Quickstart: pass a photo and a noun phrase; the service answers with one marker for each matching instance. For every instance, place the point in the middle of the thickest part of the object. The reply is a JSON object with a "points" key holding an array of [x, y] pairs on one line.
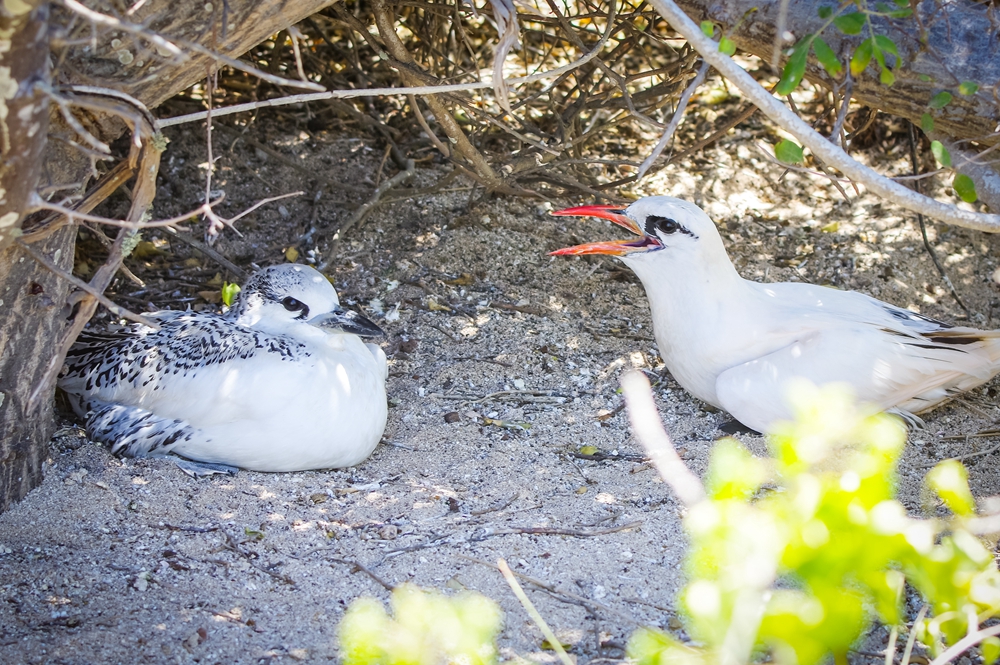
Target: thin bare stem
{"points": [[967, 642], [911, 639], [117, 310], [362, 212], [81, 131], [96, 91], [74, 215], [216, 225], [656, 442], [295, 36], [890, 648], [442, 148], [132, 28], [675, 121], [380, 92], [923, 226], [270, 199], [522, 597], [838, 125]]}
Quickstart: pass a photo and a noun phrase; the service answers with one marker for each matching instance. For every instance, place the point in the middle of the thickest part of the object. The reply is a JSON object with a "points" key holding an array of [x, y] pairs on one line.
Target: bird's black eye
{"points": [[293, 305], [664, 225]]}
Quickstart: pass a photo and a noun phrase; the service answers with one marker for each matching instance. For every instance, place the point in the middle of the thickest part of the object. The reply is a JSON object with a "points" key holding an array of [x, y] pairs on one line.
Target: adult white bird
{"points": [[281, 382], [737, 344]]}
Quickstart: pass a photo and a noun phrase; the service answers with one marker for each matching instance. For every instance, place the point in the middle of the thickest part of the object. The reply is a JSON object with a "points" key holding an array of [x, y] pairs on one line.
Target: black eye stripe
{"points": [[293, 305], [655, 224], [665, 225]]}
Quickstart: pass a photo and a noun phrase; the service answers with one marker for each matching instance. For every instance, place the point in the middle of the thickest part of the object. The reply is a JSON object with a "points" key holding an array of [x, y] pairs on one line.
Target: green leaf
{"points": [[426, 627], [879, 56], [965, 188], [927, 123], [886, 44], [827, 57], [862, 56], [727, 46], [941, 154], [887, 77], [825, 12], [733, 472], [940, 100], [950, 481], [851, 24], [990, 649], [708, 28], [229, 292], [795, 68], [788, 152], [924, 78], [968, 88], [648, 646]]}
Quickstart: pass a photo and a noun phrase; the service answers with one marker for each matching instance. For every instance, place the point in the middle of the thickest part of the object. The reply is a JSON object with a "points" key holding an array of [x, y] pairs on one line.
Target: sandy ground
{"points": [[504, 362]]}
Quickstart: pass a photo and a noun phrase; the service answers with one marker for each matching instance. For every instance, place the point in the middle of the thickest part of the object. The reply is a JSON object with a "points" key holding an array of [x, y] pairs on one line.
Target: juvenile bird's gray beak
{"points": [[346, 321]]}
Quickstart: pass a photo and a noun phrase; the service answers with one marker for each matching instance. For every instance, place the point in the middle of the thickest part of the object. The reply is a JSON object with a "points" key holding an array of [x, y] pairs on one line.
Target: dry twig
{"points": [[117, 310], [361, 213], [533, 613]]}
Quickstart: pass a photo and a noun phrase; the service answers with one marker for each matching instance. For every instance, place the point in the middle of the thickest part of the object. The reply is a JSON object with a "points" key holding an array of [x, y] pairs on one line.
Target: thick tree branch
{"points": [[940, 46], [816, 142]]}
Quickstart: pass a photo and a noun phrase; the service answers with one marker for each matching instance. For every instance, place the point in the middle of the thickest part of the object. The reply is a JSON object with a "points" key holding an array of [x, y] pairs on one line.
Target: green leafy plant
{"points": [[789, 152], [965, 188], [853, 18], [427, 628], [798, 567], [726, 45], [229, 292]]}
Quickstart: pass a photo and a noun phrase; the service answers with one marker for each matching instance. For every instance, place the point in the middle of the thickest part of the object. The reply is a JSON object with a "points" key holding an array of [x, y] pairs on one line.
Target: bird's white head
{"points": [[674, 237], [661, 222], [279, 297]]}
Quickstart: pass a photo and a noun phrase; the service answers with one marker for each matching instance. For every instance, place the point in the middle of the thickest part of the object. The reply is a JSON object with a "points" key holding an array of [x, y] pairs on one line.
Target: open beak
{"points": [[613, 247], [346, 321]]}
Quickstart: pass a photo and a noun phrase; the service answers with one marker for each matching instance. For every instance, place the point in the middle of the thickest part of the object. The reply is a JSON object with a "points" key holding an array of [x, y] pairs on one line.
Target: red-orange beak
{"points": [[613, 247]]}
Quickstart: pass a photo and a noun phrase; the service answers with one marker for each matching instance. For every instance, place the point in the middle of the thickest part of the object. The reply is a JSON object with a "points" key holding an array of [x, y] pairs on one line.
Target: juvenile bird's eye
{"points": [[664, 225], [293, 305]]}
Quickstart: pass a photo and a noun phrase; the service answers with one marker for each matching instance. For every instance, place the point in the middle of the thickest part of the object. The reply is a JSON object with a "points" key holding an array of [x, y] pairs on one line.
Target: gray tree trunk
{"points": [[28, 299]]}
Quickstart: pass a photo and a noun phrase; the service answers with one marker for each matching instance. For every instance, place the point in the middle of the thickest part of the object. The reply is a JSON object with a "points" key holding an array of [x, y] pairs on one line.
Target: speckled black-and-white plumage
{"points": [[281, 382]]}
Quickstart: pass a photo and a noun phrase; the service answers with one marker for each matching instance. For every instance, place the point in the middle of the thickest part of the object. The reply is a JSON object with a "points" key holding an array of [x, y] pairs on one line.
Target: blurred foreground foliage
{"points": [[792, 558], [427, 628], [799, 569]]}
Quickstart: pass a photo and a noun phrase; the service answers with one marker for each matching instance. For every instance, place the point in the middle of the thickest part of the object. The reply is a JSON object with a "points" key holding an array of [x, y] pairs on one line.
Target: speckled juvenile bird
{"points": [[281, 382], [736, 344]]}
